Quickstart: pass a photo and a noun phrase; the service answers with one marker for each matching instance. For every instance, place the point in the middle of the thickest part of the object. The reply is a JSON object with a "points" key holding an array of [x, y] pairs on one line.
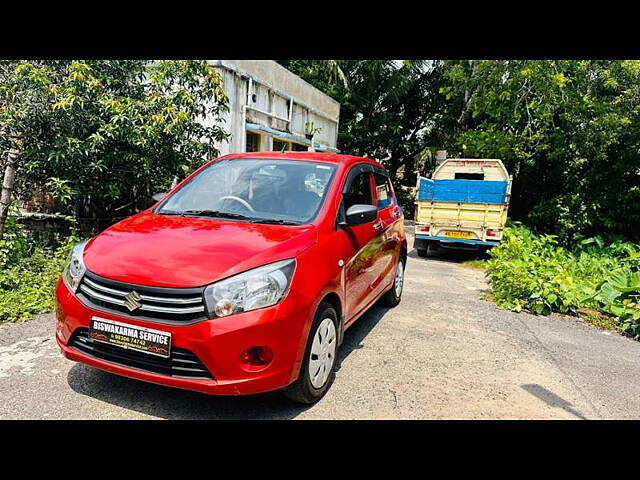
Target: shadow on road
{"points": [[354, 336], [449, 255], [551, 399], [176, 404]]}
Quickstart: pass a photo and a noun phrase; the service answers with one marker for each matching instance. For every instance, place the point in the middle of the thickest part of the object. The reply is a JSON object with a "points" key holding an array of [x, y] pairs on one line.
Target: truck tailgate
{"points": [[461, 215]]}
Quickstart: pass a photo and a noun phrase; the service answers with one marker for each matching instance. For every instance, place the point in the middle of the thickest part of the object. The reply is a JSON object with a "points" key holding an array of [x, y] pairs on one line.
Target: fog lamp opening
{"points": [[257, 356]]}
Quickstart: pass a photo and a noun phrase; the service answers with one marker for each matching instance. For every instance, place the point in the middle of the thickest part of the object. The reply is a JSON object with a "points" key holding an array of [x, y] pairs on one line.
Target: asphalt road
{"points": [[442, 353]]}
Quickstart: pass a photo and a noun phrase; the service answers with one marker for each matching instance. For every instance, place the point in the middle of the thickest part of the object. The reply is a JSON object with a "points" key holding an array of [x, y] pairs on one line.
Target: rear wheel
{"points": [[394, 295], [317, 371], [422, 252]]}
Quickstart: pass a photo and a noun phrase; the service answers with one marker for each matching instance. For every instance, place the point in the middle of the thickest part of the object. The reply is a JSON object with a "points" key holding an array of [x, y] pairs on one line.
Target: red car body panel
{"points": [[163, 249], [172, 251]]}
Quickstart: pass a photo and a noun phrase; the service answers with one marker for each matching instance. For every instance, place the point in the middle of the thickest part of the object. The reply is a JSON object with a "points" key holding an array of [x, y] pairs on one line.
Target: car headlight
{"points": [[75, 268], [258, 288]]}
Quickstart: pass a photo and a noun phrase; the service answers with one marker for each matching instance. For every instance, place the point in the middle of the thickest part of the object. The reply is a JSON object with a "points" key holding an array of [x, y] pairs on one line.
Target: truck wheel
{"points": [[394, 294], [317, 371], [422, 252]]}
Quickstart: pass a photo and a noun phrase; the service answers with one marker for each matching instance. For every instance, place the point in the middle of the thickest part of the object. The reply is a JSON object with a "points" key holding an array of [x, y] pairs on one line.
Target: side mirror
{"points": [[361, 214], [159, 196]]}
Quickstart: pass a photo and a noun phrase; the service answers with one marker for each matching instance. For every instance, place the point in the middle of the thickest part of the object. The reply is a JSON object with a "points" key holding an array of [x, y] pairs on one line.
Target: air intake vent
{"points": [[182, 363]]}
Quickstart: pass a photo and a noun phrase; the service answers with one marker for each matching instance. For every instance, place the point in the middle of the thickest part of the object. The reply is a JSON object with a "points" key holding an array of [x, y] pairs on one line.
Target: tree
{"points": [[386, 106], [567, 130], [105, 135], [21, 110]]}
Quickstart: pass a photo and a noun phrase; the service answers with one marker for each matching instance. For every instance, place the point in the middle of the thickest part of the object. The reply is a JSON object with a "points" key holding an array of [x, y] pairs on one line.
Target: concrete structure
{"points": [[271, 109]]}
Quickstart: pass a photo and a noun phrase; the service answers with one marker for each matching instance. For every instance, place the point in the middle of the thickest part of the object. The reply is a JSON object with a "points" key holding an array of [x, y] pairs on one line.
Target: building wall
{"points": [[273, 87]]}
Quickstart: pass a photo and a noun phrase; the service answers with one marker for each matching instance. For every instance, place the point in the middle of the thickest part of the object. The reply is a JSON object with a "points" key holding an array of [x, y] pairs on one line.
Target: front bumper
{"points": [[218, 344]]}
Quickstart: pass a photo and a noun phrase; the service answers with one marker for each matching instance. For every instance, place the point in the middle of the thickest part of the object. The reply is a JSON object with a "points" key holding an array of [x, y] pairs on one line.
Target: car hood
{"points": [[175, 251]]}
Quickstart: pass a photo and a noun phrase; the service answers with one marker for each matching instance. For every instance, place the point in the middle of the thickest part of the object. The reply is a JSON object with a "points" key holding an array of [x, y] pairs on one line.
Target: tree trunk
{"points": [[463, 120], [7, 187]]}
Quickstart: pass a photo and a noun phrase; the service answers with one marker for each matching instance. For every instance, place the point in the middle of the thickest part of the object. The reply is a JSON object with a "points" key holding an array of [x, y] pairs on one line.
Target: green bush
{"points": [[536, 273], [14, 244], [28, 274]]}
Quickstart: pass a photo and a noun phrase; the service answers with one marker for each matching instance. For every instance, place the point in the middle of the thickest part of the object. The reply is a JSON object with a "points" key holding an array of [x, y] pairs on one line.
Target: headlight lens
{"points": [[257, 288], [75, 268]]}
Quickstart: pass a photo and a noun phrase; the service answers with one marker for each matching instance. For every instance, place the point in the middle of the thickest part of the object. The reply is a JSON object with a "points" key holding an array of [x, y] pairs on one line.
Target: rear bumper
{"points": [[420, 241], [218, 344]]}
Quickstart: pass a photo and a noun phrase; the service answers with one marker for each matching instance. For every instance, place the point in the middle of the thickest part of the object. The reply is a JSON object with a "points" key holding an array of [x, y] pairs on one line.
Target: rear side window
{"points": [[469, 176], [359, 192], [383, 190]]}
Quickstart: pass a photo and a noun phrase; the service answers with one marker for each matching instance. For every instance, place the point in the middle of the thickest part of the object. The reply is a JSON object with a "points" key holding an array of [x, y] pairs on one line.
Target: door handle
{"points": [[379, 225]]}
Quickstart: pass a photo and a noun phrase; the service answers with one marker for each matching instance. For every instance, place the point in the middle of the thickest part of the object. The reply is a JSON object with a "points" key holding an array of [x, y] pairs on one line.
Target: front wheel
{"points": [[393, 296], [317, 371]]}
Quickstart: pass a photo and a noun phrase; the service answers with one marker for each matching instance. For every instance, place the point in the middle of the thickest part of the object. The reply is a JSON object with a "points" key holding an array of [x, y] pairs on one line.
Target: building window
{"points": [[281, 146], [253, 142], [298, 147]]}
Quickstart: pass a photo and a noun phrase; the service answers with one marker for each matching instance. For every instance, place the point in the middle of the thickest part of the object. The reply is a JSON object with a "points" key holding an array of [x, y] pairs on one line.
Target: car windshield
{"points": [[256, 190]]}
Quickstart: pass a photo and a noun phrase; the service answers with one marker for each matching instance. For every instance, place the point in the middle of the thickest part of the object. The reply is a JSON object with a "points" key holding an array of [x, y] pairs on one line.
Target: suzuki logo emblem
{"points": [[132, 301]]}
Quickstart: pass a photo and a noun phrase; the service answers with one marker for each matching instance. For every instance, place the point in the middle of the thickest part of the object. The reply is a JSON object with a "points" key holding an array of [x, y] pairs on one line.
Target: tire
{"points": [[422, 252], [307, 388], [394, 294]]}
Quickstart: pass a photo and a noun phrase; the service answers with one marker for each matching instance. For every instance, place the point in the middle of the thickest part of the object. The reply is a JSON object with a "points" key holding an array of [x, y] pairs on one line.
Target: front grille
{"points": [[182, 363], [173, 305]]}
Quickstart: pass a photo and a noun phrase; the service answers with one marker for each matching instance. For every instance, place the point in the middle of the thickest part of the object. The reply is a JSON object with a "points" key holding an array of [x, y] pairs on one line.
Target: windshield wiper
{"points": [[205, 213], [274, 221], [236, 216], [216, 213], [169, 212]]}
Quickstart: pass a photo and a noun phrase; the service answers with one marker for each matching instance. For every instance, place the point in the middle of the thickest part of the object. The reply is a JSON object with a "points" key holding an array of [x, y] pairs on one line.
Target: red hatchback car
{"points": [[240, 280]]}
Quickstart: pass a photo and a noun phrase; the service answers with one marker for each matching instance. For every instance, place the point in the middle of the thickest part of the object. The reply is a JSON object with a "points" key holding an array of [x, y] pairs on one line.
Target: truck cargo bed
{"points": [[471, 215], [465, 202]]}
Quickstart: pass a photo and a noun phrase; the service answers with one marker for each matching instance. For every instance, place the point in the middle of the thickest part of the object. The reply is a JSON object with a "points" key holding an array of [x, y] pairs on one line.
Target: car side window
{"points": [[384, 193], [359, 192]]}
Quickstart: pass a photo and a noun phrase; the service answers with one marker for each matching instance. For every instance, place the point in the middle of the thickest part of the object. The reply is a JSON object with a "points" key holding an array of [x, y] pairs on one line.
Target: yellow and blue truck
{"points": [[463, 205]]}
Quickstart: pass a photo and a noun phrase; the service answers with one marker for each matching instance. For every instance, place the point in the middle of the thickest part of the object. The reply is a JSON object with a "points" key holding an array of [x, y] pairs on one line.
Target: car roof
{"points": [[312, 156]]}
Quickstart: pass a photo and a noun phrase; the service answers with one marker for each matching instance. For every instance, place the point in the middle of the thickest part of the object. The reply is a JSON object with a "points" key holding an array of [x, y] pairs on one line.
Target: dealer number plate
{"points": [[132, 337]]}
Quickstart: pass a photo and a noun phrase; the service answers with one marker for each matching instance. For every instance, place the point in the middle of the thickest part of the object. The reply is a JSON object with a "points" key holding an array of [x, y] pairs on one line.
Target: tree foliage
{"points": [[567, 130], [103, 136], [385, 107], [598, 274]]}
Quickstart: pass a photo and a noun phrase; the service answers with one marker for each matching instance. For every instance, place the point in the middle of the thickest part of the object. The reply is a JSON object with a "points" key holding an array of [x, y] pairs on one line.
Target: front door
{"points": [[360, 246], [389, 241]]}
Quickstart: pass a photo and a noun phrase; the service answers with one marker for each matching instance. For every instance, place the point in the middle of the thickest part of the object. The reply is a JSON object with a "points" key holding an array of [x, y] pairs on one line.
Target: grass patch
{"points": [[598, 319], [475, 264]]}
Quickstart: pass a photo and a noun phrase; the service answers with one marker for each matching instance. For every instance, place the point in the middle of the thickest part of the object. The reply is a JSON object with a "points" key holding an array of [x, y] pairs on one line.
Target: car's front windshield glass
{"points": [[257, 190]]}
